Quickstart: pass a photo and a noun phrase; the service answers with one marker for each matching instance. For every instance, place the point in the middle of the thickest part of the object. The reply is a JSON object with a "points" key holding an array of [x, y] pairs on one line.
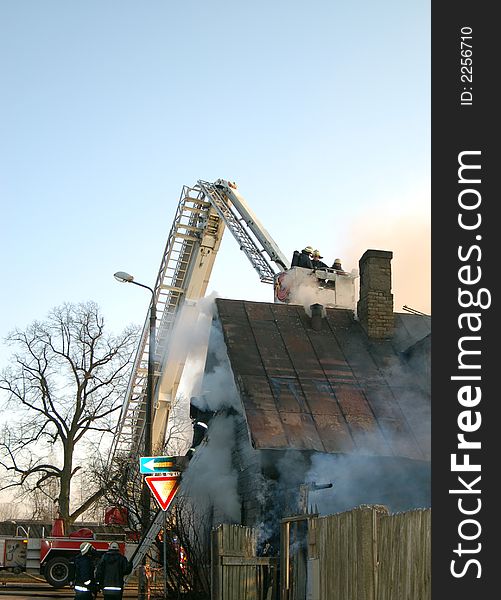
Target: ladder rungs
{"points": [[186, 237]]}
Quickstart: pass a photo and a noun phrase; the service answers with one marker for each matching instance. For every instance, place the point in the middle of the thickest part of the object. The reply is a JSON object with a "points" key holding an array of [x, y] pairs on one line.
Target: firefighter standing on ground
{"points": [[110, 573], [84, 581]]}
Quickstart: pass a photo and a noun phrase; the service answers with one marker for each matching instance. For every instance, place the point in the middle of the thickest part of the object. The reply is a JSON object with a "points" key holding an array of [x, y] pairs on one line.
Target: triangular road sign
{"points": [[163, 487]]}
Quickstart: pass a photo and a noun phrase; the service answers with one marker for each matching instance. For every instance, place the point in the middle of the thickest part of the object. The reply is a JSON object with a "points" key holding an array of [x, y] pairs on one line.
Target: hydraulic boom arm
{"points": [[203, 212]]}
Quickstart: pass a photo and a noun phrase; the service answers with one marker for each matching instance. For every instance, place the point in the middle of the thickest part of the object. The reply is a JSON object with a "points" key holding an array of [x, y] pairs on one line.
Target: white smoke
{"points": [[211, 481], [188, 343], [218, 387], [191, 338]]}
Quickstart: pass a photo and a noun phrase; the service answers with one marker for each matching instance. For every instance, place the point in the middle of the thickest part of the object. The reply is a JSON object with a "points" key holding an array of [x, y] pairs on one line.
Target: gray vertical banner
{"points": [[465, 292]]}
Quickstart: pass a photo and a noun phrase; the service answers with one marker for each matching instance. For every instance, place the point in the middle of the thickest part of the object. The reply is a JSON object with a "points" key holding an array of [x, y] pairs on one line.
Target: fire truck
{"points": [[52, 555]]}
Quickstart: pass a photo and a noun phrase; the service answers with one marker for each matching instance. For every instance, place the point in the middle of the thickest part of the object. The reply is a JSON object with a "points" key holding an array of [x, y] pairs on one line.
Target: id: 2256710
{"points": [[466, 66]]}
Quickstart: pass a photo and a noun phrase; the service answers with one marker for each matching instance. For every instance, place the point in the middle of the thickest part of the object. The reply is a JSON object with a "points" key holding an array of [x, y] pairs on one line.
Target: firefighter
{"points": [[316, 260], [84, 581], [337, 266], [305, 258], [110, 573]]}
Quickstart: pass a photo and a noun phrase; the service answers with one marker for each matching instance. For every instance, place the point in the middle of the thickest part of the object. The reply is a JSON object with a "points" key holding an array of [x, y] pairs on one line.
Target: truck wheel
{"points": [[57, 571]]}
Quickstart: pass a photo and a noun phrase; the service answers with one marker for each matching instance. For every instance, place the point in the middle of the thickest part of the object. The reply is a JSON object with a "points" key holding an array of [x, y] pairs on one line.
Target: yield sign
{"points": [[163, 487]]}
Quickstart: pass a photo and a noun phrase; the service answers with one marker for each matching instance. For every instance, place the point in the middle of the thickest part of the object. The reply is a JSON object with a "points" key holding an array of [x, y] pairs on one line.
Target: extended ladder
{"points": [[195, 224], [190, 252], [148, 540], [239, 219]]}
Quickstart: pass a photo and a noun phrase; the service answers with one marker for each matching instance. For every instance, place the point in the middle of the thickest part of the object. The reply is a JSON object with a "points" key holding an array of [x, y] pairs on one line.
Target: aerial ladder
{"points": [[204, 211]]}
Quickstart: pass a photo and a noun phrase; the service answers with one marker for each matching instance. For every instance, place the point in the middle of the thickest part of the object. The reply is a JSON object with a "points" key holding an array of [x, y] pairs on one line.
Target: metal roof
{"points": [[331, 390]]}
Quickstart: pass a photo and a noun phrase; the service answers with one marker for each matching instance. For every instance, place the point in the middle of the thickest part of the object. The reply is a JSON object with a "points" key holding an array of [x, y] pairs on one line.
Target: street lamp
{"points": [[145, 498]]}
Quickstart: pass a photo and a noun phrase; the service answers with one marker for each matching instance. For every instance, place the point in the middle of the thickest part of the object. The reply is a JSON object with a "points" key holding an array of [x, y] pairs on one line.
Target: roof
{"points": [[332, 390]]}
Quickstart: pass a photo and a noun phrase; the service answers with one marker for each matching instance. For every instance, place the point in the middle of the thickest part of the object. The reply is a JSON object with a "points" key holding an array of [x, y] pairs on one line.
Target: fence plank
{"points": [[366, 554], [404, 551], [237, 573]]}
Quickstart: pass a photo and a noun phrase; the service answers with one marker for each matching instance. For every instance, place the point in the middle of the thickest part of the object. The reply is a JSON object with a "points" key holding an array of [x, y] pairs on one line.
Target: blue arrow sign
{"points": [[157, 464]]}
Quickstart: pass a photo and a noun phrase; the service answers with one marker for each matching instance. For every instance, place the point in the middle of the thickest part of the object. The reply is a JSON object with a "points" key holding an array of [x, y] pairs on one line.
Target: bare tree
{"points": [[41, 501], [64, 386], [9, 511], [187, 552]]}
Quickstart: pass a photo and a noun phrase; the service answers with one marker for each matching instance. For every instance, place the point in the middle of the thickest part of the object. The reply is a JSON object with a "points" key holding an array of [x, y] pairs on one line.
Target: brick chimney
{"points": [[375, 306]]}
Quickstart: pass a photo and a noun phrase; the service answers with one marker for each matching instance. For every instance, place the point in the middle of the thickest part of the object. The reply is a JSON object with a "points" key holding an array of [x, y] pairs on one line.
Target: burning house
{"points": [[314, 406]]}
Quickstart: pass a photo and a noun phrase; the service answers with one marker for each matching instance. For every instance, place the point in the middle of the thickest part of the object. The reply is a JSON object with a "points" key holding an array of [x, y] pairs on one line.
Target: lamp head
{"points": [[123, 277]]}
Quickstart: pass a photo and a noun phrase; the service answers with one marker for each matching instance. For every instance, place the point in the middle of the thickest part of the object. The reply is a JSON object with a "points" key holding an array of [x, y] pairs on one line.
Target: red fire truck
{"points": [[51, 556]]}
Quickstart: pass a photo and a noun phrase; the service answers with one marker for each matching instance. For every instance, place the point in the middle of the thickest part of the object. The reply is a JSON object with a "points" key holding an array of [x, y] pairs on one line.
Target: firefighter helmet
{"points": [[85, 547]]}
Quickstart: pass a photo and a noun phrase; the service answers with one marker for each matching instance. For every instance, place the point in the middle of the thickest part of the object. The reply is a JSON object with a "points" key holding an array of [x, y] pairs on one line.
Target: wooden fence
{"points": [[404, 556], [367, 554], [237, 573], [362, 554]]}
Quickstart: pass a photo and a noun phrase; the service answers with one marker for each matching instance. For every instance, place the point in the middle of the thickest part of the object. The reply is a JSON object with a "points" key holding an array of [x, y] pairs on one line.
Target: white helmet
{"points": [[85, 547]]}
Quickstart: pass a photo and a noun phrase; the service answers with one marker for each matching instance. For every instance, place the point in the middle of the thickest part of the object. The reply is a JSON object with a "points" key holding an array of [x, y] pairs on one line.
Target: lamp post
{"points": [[145, 498]]}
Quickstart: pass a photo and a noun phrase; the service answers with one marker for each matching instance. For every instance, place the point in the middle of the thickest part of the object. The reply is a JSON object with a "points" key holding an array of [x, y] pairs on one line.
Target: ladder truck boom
{"points": [[191, 246], [240, 207], [204, 211]]}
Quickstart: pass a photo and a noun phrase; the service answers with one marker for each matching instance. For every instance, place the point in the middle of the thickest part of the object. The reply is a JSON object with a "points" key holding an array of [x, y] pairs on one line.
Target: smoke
{"points": [[188, 344], [278, 491], [408, 237], [189, 341], [399, 484], [211, 480], [218, 387], [414, 400], [305, 291]]}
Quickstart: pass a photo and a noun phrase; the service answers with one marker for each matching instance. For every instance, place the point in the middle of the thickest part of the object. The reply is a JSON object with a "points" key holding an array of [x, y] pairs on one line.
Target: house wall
{"points": [[247, 462]]}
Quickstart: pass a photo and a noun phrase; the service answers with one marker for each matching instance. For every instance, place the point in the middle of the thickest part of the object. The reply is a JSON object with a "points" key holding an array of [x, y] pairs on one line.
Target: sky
{"points": [[319, 111]]}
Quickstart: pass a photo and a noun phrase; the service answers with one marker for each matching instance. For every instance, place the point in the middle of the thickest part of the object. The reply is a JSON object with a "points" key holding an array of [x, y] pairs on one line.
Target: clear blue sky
{"points": [[320, 111]]}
